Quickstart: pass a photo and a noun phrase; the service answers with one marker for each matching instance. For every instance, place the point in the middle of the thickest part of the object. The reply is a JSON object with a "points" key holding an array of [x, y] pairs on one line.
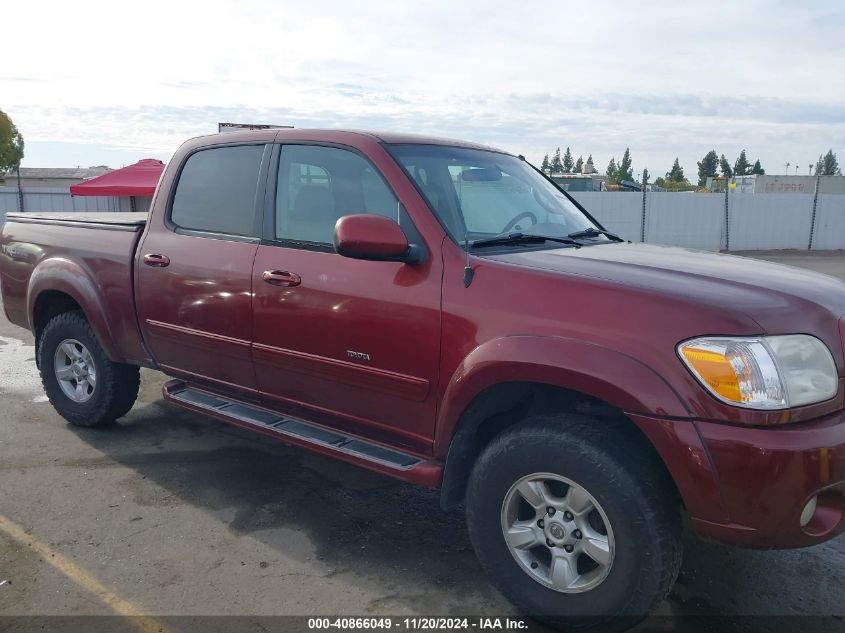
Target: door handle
{"points": [[281, 278], [158, 261]]}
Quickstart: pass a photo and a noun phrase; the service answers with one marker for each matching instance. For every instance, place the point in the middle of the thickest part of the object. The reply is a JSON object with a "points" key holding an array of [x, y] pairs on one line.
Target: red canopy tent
{"points": [[139, 179]]}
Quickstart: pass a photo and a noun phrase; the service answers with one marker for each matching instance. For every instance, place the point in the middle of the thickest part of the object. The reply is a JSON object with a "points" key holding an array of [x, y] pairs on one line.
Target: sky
{"points": [[92, 82]]}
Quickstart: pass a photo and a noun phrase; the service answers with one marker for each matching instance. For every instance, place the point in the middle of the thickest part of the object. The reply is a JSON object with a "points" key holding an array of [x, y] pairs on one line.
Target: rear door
{"points": [[194, 286], [354, 343]]}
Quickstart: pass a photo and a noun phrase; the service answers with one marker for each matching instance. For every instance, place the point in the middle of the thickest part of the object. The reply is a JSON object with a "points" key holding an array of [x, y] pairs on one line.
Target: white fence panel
{"points": [[47, 200], [142, 203], [829, 233], [98, 203], [685, 219], [619, 212], [8, 201], [762, 221], [59, 200], [758, 221]]}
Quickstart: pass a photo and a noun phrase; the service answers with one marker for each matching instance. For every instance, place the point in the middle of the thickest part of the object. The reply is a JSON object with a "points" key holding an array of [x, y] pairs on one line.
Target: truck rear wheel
{"points": [[574, 524], [83, 385]]}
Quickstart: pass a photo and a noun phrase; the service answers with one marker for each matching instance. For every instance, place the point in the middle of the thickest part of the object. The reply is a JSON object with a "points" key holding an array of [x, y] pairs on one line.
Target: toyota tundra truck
{"points": [[440, 312]]}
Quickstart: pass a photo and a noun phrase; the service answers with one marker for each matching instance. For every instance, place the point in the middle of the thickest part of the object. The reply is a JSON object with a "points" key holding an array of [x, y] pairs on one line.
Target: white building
{"points": [[766, 183]]}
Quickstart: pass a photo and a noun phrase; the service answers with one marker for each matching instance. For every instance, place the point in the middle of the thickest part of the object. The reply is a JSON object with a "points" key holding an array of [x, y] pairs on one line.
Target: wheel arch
{"points": [[60, 285], [508, 379]]}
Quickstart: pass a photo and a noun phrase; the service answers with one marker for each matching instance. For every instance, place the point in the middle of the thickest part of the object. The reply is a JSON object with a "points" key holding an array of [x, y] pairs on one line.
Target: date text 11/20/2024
{"points": [[419, 623]]}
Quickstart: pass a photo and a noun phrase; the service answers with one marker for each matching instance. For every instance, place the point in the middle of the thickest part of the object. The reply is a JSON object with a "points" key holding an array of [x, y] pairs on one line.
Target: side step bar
{"points": [[300, 432]]}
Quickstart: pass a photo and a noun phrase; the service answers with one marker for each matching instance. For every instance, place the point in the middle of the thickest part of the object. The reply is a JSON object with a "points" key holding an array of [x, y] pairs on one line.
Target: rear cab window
{"points": [[216, 191]]}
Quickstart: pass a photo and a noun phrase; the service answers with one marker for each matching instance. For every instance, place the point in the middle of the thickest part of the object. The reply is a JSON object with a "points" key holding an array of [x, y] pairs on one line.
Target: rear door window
{"points": [[216, 191], [318, 185]]}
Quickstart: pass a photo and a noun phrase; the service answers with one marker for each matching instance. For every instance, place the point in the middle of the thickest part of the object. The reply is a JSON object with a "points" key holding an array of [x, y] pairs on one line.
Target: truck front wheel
{"points": [[574, 522], [83, 385]]}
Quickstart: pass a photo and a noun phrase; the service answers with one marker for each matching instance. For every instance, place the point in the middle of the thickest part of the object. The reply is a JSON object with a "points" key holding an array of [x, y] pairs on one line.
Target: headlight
{"points": [[766, 372]]}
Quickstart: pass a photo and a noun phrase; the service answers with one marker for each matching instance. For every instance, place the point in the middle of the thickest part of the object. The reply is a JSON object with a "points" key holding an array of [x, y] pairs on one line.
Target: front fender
{"points": [[613, 377], [67, 276]]}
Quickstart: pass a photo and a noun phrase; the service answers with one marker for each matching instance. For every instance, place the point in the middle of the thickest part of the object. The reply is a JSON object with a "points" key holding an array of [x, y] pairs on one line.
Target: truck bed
{"points": [[44, 256]]}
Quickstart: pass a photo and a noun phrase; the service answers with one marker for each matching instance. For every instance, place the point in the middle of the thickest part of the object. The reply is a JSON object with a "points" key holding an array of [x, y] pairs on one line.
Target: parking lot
{"points": [[172, 513]]}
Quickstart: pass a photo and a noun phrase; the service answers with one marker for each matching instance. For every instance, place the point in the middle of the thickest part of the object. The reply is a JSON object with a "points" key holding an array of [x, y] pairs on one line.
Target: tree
{"points": [[725, 167], [827, 165], [758, 168], [742, 167], [11, 144], [672, 185], [545, 165], [556, 165], [676, 174], [589, 167], [624, 171], [645, 176], [568, 163], [579, 165], [611, 171], [707, 167]]}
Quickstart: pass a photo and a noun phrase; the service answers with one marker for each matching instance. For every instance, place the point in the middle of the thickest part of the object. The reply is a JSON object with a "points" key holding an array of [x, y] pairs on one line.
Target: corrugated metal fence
{"points": [[738, 222], [759, 221], [58, 199]]}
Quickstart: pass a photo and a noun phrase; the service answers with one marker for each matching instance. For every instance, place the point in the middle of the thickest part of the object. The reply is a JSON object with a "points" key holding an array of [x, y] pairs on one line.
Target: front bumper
{"points": [[749, 485], [766, 476]]}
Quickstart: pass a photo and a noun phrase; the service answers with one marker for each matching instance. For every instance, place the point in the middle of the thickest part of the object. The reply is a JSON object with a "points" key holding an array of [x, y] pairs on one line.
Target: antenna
{"points": [[469, 273]]}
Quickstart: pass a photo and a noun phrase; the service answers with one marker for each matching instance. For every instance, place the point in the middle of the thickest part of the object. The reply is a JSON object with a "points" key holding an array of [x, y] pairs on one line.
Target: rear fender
{"points": [[64, 275]]}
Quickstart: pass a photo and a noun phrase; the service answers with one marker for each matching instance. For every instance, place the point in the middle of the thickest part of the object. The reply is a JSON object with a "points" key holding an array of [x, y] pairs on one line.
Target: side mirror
{"points": [[373, 237]]}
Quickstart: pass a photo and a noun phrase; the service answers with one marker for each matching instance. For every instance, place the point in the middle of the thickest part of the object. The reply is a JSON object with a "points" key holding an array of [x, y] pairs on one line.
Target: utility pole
{"points": [[727, 216], [642, 224], [20, 190], [815, 208]]}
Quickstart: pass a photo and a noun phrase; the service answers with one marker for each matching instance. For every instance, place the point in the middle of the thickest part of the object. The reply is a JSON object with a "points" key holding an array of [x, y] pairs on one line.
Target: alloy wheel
{"points": [[75, 370], [558, 533]]}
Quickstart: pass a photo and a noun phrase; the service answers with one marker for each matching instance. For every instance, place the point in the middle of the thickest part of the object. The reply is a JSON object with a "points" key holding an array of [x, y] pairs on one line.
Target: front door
{"points": [[352, 343], [194, 274]]}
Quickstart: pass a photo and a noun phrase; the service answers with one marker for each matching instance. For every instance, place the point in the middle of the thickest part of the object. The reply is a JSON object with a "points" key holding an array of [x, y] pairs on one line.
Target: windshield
{"points": [[479, 194]]}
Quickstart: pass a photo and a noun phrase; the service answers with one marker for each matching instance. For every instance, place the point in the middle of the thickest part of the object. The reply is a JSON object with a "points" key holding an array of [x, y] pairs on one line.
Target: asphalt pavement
{"points": [[172, 513]]}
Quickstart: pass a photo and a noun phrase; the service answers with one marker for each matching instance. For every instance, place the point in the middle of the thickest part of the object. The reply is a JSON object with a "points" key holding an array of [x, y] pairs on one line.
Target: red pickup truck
{"points": [[441, 312]]}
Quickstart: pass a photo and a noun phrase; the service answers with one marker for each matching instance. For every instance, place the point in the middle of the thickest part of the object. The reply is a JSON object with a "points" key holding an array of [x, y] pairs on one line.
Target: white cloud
{"points": [[665, 79]]}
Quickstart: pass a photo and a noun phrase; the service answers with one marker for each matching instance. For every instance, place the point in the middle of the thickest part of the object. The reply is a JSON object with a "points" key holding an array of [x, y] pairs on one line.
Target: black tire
{"points": [[117, 384], [634, 491]]}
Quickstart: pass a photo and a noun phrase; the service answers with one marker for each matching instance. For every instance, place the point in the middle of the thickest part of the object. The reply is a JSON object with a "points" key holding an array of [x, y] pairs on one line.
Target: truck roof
{"points": [[339, 134]]}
